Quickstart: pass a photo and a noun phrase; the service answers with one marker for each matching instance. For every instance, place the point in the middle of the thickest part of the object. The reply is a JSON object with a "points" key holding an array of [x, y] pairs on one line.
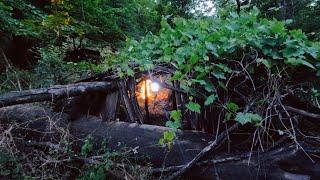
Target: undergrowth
{"points": [[24, 158]]}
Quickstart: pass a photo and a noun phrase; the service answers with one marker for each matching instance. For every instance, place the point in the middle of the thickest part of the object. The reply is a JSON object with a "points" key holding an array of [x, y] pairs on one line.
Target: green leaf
{"points": [[170, 124], [209, 87], [175, 115], [195, 107], [161, 141], [130, 72], [210, 99], [231, 106], [169, 136], [298, 61], [219, 74], [212, 48], [220, 84], [177, 75], [297, 34], [292, 52], [277, 27], [265, 62], [223, 67], [244, 118], [227, 117], [194, 58]]}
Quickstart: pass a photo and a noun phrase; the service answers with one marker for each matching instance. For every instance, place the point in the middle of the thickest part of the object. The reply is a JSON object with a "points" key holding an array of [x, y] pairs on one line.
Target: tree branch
{"points": [[302, 112], [221, 138]]}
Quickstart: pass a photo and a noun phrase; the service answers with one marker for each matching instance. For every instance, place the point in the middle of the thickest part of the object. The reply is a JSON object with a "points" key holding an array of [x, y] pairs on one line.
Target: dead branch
{"points": [[272, 156], [221, 138], [213, 161], [302, 112]]}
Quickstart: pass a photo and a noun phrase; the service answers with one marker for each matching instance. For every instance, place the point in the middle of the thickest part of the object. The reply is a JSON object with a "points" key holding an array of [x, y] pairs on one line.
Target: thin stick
{"points": [[221, 138], [303, 112]]}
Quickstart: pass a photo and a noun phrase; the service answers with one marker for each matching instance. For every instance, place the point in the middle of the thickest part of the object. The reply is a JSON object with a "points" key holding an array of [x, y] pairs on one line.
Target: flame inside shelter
{"points": [[158, 97]]}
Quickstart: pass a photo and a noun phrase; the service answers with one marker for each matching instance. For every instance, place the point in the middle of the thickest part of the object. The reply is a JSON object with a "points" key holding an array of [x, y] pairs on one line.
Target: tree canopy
{"points": [[215, 67]]}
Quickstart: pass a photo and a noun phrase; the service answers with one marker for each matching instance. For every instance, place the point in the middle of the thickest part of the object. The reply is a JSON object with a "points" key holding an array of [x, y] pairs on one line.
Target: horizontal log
{"points": [[54, 93], [276, 164], [118, 135]]}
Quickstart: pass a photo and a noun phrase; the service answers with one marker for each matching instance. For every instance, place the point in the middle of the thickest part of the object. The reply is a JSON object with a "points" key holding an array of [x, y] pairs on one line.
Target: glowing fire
{"points": [[151, 87], [157, 96]]}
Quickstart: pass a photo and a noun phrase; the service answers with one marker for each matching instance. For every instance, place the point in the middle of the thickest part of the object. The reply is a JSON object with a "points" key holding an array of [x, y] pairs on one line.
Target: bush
{"points": [[52, 69], [242, 60]]}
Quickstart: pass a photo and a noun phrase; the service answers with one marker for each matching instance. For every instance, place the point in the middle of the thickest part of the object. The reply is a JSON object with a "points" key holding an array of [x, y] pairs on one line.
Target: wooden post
{"points": [[132, 88], [124, 96], [146, 100], [109, 109]]}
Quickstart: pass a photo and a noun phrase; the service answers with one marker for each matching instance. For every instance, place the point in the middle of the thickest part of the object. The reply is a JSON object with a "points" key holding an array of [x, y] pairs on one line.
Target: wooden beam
{"points": [[126, 101]]}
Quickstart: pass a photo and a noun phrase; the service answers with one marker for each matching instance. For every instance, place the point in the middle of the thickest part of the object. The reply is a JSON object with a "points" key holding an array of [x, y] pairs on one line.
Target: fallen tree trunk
{"points": [[118, 135], [40, 124], [54, 93]]}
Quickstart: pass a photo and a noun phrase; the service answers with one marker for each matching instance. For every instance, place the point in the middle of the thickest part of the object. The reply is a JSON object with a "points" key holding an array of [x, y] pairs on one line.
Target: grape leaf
{"points": [[192, 106]]}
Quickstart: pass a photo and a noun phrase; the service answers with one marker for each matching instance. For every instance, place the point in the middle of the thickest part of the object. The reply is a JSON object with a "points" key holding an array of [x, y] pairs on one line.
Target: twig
{"points": [[214, 161], [303, 112], [221, 138]]}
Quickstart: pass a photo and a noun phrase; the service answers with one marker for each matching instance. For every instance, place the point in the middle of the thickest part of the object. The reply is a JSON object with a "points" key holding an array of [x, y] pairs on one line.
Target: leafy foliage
{"points": [[87, 146], [9, 165], [244, 118], [169, 136], [192, 106], [51, 69], [204, 52], [101, 21], [304, 13]]}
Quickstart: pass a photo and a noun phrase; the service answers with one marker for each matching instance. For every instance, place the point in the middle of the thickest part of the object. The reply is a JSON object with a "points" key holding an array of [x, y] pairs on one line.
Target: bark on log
{"points": [[145, 137], [126, 101], [109, 109], [118, 134], [134, 101], [54, 93]]}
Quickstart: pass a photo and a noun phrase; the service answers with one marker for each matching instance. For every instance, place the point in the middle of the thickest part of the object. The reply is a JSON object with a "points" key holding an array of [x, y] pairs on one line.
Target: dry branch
{"points": [[54, 93], [302, 112], [271, 156], [221, 138]]}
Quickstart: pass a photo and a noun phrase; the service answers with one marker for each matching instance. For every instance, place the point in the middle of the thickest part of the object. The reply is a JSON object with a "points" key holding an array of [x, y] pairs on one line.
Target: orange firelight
{"points": [[151, 87], [150, 93]]}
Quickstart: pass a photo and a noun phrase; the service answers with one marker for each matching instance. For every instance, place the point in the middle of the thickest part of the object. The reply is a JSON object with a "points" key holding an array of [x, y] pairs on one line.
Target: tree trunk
{"points": [[118, 135], [54, 93]]}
